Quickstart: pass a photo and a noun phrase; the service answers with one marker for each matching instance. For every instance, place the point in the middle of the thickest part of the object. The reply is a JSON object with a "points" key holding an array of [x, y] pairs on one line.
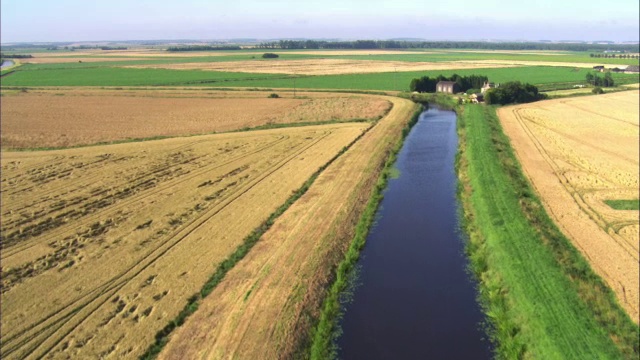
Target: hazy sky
{"points": [[86, 20]]}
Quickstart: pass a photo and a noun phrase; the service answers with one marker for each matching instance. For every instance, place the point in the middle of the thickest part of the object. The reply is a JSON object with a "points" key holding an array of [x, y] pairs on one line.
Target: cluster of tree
{"points": [[596, 80], [203, 48], [427, 84], [15, 56], [513, 92], [613, 56], [400, 44], [270, 56]]}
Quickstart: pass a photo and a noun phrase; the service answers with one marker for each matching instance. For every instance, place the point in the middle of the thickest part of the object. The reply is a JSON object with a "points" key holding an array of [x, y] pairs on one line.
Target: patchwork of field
{"points": [[69, 117], [119, 236], [121, 55], [320, 66], [263, 307], [578, 153]]}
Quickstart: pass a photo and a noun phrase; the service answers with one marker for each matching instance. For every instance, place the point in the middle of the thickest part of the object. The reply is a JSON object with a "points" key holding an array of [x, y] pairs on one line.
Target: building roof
{"points": [[445, 83], [634, 68]]}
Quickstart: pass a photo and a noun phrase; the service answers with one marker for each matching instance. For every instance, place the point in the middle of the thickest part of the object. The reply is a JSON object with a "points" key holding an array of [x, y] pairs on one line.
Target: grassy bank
{"points": [[325, 333], [541, 297]]}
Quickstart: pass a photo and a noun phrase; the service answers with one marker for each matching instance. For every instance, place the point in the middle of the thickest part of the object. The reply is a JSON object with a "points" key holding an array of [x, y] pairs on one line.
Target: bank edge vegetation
{"points": [[541, 297]]}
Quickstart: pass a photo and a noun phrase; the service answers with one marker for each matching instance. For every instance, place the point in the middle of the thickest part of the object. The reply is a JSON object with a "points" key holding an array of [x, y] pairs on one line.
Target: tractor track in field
{"points": [[566, 184], [70, 229], [74, 313]]}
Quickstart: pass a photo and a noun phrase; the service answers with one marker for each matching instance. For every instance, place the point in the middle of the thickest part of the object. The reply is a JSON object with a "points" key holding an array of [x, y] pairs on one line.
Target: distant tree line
{"points": [[203, 48], [513, 92], [86, 47], [613, 56], [15, 56], [113, 48], [399, 44], [595, 80], [427, 84]]}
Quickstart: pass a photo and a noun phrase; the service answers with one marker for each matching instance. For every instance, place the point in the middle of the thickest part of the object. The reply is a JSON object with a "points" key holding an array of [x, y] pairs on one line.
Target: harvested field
{"points": [[62, 118], [126, 55], [119, 236], [535, 63], [262, 308], [516, 52], [322, 66], [578, 153]]}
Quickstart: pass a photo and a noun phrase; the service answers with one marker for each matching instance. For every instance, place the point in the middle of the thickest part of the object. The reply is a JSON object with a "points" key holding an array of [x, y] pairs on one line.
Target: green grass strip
{"points": [[542, 299], [162, 336], [326, 332], [624, 204]]}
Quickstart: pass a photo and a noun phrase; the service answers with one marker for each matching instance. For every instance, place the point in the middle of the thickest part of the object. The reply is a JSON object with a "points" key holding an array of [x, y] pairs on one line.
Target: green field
{"points": [[538, 75], [75, 64], [539, 293], [102, 75], [111, 76], [624, 204]]}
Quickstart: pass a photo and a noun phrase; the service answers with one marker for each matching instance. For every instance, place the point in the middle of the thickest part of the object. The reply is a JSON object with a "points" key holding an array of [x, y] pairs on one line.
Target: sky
{"points": [[95, 20]]}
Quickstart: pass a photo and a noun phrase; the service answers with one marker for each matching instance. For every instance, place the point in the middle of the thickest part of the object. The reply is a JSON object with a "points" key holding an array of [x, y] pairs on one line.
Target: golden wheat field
{"points": [[578, 153], [69, 117], [321, 66], [119, 236]]}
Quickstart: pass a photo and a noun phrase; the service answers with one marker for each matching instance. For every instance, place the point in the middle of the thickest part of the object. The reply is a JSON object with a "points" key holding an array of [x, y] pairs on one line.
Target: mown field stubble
{"points": [[71, 116], [118, 255], [119, 236], [580, 153]]}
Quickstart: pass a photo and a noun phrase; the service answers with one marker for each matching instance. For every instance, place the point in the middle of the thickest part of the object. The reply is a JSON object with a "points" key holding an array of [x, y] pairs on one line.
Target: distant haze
{"points": [[75, 20]]}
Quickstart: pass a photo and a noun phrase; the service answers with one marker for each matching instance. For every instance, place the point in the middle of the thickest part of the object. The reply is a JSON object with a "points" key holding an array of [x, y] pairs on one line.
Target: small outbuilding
{"points": [[449, 87], [599, 68]]}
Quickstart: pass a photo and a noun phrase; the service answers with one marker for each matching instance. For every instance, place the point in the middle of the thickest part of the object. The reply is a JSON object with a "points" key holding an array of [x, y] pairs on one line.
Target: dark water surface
{"points": [[414, 298]]}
